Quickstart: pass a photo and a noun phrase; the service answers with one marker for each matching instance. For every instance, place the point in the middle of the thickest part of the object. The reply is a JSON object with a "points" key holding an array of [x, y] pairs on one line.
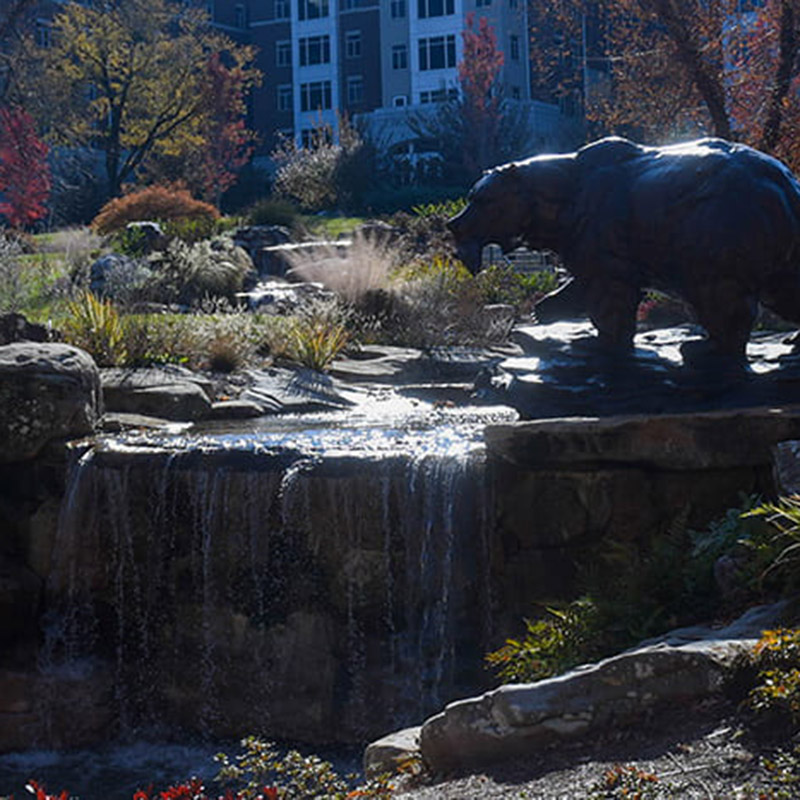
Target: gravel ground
{"points": [[701, 751]]}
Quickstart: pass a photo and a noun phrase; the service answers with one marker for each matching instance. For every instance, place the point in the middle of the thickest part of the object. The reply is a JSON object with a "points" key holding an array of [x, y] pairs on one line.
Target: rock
{"points": [[105, 270], [117, 422], [787, 467], [47, 391], [15, 328], [707, 440], [397, 365], [388, 753], [563, 374], [170, 392], [278, 296], [279, 391], [379, 232], [235, 409], [255, 238], [151, 234], [20, 592], [515, 719]]}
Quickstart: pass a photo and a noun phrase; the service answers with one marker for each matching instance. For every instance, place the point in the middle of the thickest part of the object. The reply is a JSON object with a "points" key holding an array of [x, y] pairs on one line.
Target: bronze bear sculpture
{"points": [[715, 222]]}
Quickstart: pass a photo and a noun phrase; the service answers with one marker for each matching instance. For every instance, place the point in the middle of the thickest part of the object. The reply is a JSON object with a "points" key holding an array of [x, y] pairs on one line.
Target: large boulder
{"points": [[169, 392], [47, 391], [687, 664]]}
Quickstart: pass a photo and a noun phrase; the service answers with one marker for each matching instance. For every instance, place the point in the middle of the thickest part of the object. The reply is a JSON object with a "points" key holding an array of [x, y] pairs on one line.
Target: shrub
{"points": [[561, 640], [95, 326], [317, 336], [227, 341], [438, 303], [186, 274], [12, 290], [159, 339], [777, 693], [156, 203], [504, 284], [352, 272], [272, 211], [294, 775]]}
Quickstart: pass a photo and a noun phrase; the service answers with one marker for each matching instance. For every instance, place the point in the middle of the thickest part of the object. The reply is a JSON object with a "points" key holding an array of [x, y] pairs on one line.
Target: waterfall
{"points": [[236, 589]]}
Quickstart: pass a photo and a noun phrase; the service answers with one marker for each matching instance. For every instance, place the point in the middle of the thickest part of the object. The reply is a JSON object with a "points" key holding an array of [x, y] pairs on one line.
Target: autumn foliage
{"points": [[661, 70], [477, 77], [229, 143], [24, 172], [158, 203]]}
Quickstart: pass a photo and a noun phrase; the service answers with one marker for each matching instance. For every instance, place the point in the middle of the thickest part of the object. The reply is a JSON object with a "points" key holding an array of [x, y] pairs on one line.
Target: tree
{"points": [[478, 128], [130, 79], [480, 102], [677, 67], [24, 173], [211, 168]]}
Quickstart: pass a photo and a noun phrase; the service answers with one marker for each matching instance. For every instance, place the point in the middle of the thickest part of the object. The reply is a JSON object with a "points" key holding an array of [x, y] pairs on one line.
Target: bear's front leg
{"points": [[612, 305]]}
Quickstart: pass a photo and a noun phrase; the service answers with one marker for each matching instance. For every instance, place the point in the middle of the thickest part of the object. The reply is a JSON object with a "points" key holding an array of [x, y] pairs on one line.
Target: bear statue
{"points": [[715, 222]]}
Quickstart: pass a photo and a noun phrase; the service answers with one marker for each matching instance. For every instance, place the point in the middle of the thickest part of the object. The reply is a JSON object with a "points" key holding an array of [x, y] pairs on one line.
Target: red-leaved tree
{"points": [[24, 172], [229, 143], [480, 102]]}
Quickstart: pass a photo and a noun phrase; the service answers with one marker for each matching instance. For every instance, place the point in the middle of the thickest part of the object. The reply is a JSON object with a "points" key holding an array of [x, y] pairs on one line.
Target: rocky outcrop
{"points": [[277, 390], [47, 391], [709, 440], [15, 328], [515, 719], [563, 374], [168, 392]]}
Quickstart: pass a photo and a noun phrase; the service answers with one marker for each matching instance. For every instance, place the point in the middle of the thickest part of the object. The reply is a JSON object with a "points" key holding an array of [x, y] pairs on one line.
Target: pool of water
{"points": [[117, 770]]}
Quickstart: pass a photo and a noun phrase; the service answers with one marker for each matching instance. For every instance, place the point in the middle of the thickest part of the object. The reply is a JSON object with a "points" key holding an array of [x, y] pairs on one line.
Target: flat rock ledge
{"points": [[515, 719], [696, 440]]}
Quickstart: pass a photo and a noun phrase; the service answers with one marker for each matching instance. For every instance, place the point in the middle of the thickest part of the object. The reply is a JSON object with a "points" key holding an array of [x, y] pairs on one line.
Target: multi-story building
{"points": [[376, 58]]}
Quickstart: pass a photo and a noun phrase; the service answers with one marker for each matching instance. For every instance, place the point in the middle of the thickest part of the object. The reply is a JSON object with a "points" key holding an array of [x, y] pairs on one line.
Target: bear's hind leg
{"points": [[727, 311]]}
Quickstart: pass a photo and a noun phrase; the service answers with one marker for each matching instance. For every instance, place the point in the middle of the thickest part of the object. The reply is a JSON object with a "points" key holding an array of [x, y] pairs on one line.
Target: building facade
{"points": [[376, 59]]}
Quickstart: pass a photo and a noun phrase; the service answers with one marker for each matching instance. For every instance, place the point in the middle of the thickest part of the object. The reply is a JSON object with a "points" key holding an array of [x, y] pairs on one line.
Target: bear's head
{"points": [[511, 205]]}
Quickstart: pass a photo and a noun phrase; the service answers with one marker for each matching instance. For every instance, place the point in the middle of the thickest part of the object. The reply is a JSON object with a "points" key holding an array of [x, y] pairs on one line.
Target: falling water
{"points": [[229, 586]]}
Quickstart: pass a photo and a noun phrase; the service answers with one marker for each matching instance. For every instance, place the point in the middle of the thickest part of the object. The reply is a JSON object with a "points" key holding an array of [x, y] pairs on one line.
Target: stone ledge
{"points": [[702, 440], [514, 719]]}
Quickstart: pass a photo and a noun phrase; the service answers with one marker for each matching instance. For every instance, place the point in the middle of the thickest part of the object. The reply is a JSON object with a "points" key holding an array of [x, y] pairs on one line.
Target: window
{"points": [[283, 9], [315, 50], [42, 34], [435, 8], [398, 9], [240, 16], [285, 99], [438, 52], [438, 95], [283, 54], [514, 48], [399, 56], [355, 90], [352, 44], [313, 9], [516, 93], [315, 95], [399, 101]]}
